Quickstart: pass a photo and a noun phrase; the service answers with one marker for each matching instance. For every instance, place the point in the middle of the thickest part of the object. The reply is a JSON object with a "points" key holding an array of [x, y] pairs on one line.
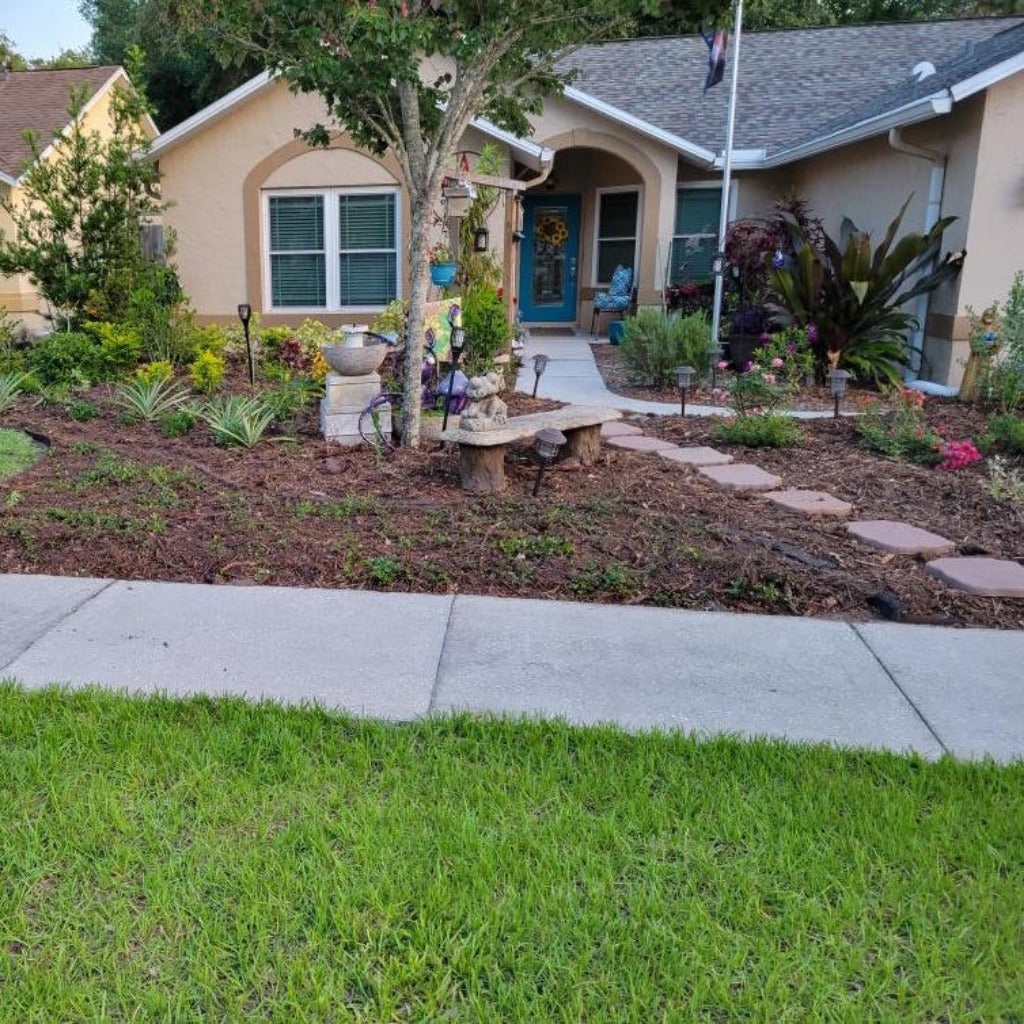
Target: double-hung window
{"points": [[696, 233], [333, 249], [618, 212]]}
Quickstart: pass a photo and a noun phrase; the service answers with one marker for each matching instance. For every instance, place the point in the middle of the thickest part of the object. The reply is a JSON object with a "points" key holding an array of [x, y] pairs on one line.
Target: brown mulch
{"points": [[615, 374], [122, 501]]}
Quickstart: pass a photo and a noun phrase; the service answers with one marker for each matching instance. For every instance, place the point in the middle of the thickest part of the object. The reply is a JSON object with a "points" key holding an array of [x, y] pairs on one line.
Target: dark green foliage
{"points": [[655, 343], [855, 296], [65, 357], [1004, 434], [78, 221], [291, 399], [767, 431], [83, 411], [488, 330], [177, 423]]}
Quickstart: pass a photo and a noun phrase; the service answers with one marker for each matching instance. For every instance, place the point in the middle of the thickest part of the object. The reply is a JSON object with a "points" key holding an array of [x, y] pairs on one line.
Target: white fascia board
{"points": [[210, 113], [89, 104], [676, 142], [744, 159], [533, 155], [910, 113], [7, 179], [990, 76]]}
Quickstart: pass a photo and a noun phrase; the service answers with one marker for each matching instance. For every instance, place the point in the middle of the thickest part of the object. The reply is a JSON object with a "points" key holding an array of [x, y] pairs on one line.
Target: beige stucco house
{"points": [[37, 101], [625, 168]]}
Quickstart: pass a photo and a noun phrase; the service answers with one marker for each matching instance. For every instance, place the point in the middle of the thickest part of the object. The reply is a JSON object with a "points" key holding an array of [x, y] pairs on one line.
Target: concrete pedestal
{"points": [[343, 404]]}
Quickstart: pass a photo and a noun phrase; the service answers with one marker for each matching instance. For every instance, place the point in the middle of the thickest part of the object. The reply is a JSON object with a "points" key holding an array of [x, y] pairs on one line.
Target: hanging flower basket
{"points": [[442, 274]]}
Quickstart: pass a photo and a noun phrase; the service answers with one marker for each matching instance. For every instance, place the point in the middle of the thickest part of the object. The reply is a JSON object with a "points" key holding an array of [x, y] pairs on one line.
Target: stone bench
{"points": [[482, 452]]}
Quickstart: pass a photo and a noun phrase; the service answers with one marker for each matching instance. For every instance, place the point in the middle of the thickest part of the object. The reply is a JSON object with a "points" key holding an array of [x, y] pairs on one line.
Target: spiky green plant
{"points": [[237, 421], [855, 297], [149, 400], [11, 385]]}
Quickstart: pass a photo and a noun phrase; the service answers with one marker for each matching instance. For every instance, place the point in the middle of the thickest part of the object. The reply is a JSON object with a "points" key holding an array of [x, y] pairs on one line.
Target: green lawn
{"points": [[214, 861], [17, 452]]}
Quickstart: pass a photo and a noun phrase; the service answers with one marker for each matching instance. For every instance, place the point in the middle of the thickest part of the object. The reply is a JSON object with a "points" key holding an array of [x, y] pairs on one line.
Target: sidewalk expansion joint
{"points": [[440, 654]]}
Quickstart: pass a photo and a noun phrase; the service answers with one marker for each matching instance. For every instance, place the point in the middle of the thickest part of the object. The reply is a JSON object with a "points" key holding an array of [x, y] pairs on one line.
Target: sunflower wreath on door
{"points": [[552, 229]]}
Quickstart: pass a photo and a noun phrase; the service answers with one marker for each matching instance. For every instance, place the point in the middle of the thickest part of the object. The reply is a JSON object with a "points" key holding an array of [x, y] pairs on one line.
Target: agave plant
{"points": [[855, 296], [150, 399], [10, 388], [235, 420]]}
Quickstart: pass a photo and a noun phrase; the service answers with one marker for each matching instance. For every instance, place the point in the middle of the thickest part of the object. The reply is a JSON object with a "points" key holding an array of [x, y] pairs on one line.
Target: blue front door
{"points": [[550, 258]]}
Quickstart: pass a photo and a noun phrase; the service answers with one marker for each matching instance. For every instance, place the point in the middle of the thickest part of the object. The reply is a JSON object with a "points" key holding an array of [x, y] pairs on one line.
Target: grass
{"points": [[212, 860], [17, 452]]}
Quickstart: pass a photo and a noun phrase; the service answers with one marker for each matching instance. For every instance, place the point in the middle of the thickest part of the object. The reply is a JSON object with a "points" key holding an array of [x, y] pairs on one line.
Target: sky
{"points": [[42, 28]]}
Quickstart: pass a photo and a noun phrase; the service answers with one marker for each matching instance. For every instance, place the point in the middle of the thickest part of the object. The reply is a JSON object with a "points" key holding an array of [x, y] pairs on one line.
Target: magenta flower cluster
{"points": [[958, 454]]}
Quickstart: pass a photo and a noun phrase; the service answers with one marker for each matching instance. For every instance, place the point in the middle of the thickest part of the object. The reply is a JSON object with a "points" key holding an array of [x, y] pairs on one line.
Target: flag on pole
{"points": [[716, 44]]}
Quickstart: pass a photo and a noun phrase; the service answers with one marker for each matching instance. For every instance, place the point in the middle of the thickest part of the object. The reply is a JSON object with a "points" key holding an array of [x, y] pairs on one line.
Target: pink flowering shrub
{"points": [[958, 454], [787, 354]]}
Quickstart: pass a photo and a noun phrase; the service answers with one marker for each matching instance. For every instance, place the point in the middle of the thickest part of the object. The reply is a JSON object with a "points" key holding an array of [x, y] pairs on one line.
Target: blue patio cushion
{"points": [[618, 295]]}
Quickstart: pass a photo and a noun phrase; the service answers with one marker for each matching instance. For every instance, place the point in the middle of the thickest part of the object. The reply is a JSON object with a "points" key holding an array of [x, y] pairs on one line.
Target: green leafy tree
{"points": [[179, 79], [407, 77], [79, 213]]}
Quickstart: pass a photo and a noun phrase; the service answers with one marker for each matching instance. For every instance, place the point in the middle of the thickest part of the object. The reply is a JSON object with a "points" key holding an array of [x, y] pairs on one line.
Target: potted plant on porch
{"points": [[442, 265]]}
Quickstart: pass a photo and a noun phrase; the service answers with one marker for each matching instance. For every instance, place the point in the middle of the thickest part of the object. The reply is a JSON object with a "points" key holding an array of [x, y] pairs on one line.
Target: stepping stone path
{"points": [[901, 538], [697, 456], [987, 577], [616, 428], [741, 476], [641, 443], [810, 503]]}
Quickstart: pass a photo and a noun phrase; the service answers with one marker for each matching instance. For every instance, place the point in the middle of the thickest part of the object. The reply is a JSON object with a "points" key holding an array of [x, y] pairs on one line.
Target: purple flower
{"points": [[765, 340], [778, 260], [748, 366], [812, 334], [791, 347]]}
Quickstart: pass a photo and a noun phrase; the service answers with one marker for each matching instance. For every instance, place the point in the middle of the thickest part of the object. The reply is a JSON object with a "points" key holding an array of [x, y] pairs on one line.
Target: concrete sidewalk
{"points": [[400, 656]]}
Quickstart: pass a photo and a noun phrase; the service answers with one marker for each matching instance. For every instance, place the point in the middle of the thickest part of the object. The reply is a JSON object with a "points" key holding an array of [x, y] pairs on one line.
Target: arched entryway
{"points": [[595, 210]]}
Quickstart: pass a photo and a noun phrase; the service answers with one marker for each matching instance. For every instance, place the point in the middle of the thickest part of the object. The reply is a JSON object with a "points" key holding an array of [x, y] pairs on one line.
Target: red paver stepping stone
{"points": [[987, 577], [741, 476], [698, 456], [615, 428], [640, 443], [902, 538], [811, 503]]}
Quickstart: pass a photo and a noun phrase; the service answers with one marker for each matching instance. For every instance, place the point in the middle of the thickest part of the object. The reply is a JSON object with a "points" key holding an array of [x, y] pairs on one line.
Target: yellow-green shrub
{"points": [[206, 372], [210, 338], [160, 369]]}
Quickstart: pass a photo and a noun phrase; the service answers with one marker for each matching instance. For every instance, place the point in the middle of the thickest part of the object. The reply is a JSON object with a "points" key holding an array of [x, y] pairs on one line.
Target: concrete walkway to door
{"points": [[572, 376]]}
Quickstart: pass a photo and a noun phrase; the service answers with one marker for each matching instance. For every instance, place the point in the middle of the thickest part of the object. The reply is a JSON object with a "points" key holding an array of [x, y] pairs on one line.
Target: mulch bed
{"points": [[122, 501], [615, 374]]}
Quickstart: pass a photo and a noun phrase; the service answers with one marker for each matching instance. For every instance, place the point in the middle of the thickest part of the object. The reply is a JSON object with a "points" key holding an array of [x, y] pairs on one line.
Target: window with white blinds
{"points": [[333, 249]]}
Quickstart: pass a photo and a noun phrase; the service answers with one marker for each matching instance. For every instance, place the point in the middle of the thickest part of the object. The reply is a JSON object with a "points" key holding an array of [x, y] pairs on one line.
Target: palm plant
{"points": [[149, 400], [237, 421], [854, 297], [11, 385]]}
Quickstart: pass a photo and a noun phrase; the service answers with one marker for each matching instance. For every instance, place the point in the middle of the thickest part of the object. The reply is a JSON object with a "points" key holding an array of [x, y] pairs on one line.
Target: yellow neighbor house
{"points": [[38, 101]]}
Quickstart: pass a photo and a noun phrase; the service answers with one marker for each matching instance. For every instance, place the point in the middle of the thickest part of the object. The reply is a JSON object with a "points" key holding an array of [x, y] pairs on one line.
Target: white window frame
{"points": [[704, 183], [639, 190], [332, 247]]}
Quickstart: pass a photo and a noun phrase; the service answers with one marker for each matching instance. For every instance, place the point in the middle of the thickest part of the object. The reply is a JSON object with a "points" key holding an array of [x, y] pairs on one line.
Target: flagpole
{"points": [[723, 217]]}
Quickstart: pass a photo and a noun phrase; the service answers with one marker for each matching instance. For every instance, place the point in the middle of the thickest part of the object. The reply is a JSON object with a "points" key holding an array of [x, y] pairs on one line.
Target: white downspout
{"points": [[932, 213]]}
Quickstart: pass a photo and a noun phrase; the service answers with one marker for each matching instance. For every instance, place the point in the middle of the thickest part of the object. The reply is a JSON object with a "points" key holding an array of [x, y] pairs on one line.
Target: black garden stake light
{"points": [[481, 239], [837, 385], [684, 380], [245, 315], [549, 442], [458, 341], [540, 363]]}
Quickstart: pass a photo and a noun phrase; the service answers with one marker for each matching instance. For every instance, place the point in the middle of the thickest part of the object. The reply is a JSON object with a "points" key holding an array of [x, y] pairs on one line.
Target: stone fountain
{"points": [[350, 388]]}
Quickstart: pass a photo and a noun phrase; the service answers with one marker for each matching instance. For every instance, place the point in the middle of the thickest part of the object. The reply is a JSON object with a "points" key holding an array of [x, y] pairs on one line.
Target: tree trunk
{"points": [[418, 284]]}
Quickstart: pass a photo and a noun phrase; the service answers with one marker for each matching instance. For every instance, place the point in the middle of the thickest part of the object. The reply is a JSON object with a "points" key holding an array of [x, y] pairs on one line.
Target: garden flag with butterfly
{"points": [[716, 44]]}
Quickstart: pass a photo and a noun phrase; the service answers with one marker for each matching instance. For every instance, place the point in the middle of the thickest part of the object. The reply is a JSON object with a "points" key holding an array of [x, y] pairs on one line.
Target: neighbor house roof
{"points": [[38, 101], [795, 86]]}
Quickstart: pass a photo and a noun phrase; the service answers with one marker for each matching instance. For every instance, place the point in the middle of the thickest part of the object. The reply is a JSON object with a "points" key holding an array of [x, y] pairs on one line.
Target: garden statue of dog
{"points": [[486, 410]]}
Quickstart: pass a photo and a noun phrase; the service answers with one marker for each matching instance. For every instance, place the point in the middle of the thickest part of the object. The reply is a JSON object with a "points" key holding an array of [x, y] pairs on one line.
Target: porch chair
{"points": [[620, 297]]}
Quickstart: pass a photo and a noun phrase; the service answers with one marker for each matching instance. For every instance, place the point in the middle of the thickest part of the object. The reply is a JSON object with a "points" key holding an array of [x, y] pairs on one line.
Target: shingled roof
{"points": [[794, 85], [38, 100]]}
